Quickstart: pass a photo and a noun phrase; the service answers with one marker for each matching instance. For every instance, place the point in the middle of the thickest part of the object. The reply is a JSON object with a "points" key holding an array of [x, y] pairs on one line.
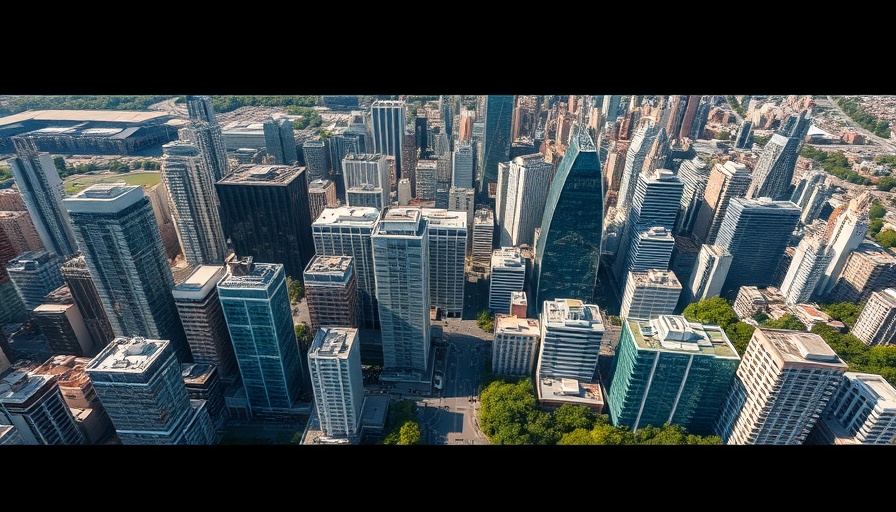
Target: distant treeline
{"points": [[857, 113], [18, 104], [228, 103]]}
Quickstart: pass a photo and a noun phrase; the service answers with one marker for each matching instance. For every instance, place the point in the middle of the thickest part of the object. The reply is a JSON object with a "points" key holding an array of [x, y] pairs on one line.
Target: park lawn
{"points": [[146, 179]]}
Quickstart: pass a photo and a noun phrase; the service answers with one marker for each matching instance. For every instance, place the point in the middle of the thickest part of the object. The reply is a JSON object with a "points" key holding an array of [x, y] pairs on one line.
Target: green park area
{"points": [[79, 182]]}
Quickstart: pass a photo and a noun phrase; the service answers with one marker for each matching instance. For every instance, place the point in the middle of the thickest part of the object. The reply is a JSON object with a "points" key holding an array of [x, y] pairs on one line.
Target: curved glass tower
{"points": [[568, 247]]}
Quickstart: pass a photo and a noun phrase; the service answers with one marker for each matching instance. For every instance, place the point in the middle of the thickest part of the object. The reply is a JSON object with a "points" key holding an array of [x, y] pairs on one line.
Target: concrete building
{"points": [[404, 192], [331, 292], [773, 171], [203, 382], [650, 294], [138, 381], [426, 176], [256, 309], [670, 370], [483, 237], [515, 345], [77, 278], [200, 313], [463, 200], [862, 411], [317, 159], [11, 200], [33, 404], [868, 268], [638, 150], [115, 227], [35, 274], [876, 324], [694, 175], [366, 180], [19, 231], [809, 261], [204, 131], [781, 388], [571, 335], [519, 304], [61, 322], [265, 213], [521, 197], [709, 273], [321, 194], [280, 140], [727, 180], [447, 253], [507, 275], [334, 363], [388, 118], [845, 230], [401, 265], [462, 166], [9, 436]]}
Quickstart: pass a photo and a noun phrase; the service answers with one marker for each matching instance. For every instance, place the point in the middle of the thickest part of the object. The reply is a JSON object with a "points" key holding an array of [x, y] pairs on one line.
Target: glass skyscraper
{"points": [[496, 142]]}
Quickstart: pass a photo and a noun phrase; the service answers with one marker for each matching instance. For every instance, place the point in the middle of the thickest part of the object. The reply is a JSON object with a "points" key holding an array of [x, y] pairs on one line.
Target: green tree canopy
{"points": [[486, 320], [886, 183], [846, 312], [886, 238], [877, 210], [304, 336], [295, 288], [715, 310], [409, 433], [787, 321]]}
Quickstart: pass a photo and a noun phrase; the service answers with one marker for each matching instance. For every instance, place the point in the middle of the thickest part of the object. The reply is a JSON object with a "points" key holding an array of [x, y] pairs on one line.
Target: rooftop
{"points": [[674, 333], [877, 386], [656, 279], [319, 185], [364, 157], [445, 218], [799, 347], [127, 355], [348, 216], [515, 325], [329, 264], [19, 385], [250, 275], [197, 374], [263, 174], [519, 298], [69, 371], [333, 342], [109, 116], [571, 313], [509, 258], [200, 282], [104, 198], [570, 391]]}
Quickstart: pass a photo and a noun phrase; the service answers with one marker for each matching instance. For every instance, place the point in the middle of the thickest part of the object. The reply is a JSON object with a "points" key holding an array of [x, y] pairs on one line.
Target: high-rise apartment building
{"points": [[523, 191], [447, 252], [515, 345], [709, 273], [638, 150], [317, 159], [33, 404], [321, 194], [725, 181], [809, 261], [117, 231], [280, 141], [868, 268], [264, 210], [331, 292], [876, 324], [508, 275], [203, 319], [571, 335], [61, 322], [366, 180], [35, 274], [404, 192], [193, 203], [203, 382], [483, 237], [650, 294], [862, 411], [694, 175], [670, 370], [773, 171], [781, 388], [334, 363], [388, 118], [401, 266], [18, 231], [426, 173], [463, 200], [84, 293], [845, 230], [205, 132]]}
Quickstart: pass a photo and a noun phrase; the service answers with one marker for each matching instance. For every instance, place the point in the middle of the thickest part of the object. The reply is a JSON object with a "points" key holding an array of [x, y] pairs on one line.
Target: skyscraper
{"points": [[725, 181], [18, 231], [876, 324], [497, 138], [868, 268], [463, 200], [483, 237], [861, 411], [321, 193], [116, 229], [462, 166], [774, 169], [256, 309], [755, 232], [61, 322], [264, 210], [568, 248], [331, 292], [528, 183], [508, 274], [780, 389], [280, 141], [640, 147], [84, 293], [366, 180], [317, 159], [426, 179], [515, 345], [571, 335], [139, 383], [690, 114], [203, 319], [694, 174], [193, 203], [844, 232], [709, 273], [388, 119], [447, 252], [650, 294], [334, 363], [35, 274], [38, 180], [401, 264], [33, 404], [809, 260], [670, 370], [205, 132]]}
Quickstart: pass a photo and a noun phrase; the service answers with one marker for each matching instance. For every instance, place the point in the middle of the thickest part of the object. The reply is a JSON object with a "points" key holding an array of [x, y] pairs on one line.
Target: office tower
{"points": [[317, 159], [84, 293], [331, 292], [347, 231], [205, 132], [876, 324], [694, 175], [203, 382], [496, 140], [676, 107], [77, 391], [868, 268], [525, 117], [774, 169], [139, 383], [527, 186], [670, 370], [388, 119], [447, 252], [755, 232], [501, 193], [33, 404], [690, 114], [462, 165], [264, 209], [35, 274], [11, 201], [409, 161], [508, 275], [816, 202], [334, 363], [483, 236], [845, 230], [18, 231], [709, 273], [725, 181], [193, 203], [519, 304], [280, 141], [463, 200], [426, 179], [659, 156], [809, 260], [571, 335], [366, 180], [806, 186], [780, 389], [61, 322], [515, 345], [861, 411], [401, 264], [38, 181], [568, 248], [200, 313], [650, 294], [321, 193], [650, 249], [9, 436], [117, 232], [348, 142], [637, 153], [610, 107], [744, 135], [256, 309], [404, 192], [701, 116]]}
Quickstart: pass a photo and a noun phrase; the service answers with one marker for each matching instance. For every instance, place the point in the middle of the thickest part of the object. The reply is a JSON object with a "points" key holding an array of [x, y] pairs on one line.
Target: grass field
{"points": [[75, 184]]}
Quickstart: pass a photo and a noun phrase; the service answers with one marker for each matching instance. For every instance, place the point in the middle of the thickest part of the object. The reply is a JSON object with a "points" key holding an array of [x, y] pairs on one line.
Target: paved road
{"points": [[887, 143]]}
